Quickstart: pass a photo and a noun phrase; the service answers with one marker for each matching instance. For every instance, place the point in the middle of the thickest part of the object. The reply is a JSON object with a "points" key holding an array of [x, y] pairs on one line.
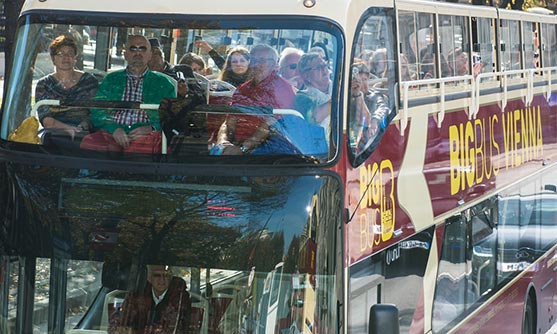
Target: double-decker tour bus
{"points": [[315, 166]]}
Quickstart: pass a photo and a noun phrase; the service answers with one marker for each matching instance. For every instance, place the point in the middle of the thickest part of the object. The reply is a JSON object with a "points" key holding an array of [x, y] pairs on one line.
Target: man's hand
{"points": [[121, 137], [140, 131], [182, 89]]}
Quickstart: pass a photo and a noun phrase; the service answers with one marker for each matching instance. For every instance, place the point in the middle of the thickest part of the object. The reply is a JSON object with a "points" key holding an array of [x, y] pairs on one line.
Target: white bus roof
{"points": [[327, 8]]}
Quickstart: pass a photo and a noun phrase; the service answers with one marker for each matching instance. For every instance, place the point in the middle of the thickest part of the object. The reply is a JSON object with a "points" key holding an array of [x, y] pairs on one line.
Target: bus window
{"points": [[510, 46], [371, 84], [531, 53], [548, 43], [241, 267], [484, 43], [269, 121], [454, 45], [418, 42], [454, 289]]}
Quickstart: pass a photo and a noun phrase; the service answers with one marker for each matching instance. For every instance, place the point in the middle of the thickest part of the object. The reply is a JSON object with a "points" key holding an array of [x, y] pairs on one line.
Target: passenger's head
{"points": [[63, 51], [360, 77], [195, 61], [378, 62], [159, 276], [237, 60], [314, 71], [321, 49], [157, 56], [138, 53], [458, 60], [405, 73], [288, 62], [263, 61]]}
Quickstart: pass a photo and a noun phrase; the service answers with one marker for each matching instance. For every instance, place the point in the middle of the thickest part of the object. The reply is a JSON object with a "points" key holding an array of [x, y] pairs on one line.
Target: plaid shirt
{"points": [[132, 92]]}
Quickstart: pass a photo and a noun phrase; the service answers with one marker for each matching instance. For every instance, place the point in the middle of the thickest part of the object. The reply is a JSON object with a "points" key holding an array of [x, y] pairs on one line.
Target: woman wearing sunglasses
{"points": [[288, 66], [314, 100]]}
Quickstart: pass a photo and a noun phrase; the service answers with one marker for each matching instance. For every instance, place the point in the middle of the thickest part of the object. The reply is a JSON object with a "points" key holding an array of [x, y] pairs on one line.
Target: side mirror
{"points": [[383, 319]]}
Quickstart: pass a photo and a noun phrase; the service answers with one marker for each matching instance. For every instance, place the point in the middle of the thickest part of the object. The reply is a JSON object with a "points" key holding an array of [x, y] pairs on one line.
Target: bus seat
{"points": [[199, 313], [221, 300], [112, 304], [220, 92], [288, 112]]}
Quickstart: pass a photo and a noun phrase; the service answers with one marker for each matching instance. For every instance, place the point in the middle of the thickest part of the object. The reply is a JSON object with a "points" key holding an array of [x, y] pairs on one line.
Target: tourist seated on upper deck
{"points": [[314, 101], [159, 64], [368, 109], [458, 62], [236, 69], [196, 63], [163, 306], [131, 130], [288, 66], [266, 89], [68, 85]]}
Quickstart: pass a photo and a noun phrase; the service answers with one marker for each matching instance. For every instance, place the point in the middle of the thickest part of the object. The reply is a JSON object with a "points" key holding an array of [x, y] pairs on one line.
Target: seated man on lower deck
{"points": [[163, 307], [131, 130]]}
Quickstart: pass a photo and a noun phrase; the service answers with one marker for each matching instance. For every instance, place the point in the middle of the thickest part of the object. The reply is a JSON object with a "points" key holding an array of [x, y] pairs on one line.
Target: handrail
{"points": [[417, 83], [34, 109], [474, 106]]}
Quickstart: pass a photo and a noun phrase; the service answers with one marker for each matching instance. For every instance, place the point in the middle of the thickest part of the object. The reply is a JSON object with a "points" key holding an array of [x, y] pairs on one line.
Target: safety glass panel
{"points": [[174, 93]]}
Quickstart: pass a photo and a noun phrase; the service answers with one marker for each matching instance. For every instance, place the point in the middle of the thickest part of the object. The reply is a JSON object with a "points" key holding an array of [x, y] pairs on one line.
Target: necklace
{"points": [[68, 83]]}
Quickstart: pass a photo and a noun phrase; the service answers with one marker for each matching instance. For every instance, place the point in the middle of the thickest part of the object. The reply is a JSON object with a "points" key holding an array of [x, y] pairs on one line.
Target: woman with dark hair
{"points": [[67, 84], [236, 67]]}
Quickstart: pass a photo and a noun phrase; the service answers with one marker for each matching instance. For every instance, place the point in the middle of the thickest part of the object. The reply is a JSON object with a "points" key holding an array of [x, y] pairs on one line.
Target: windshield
{"points": [[258, 89], [244, 254]]}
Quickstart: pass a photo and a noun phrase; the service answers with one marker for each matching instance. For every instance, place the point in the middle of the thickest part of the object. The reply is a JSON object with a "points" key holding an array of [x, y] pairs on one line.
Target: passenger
{"points": [[266, 87], [163, 307], [366, 56], [65, 84], [405, 73], [158, 64], [288, 66], [369, 109], [196, 63], [458, 62], [217, 58], [378, 63], [314, 101], [131, 130], [236, 70], [321, 49]]}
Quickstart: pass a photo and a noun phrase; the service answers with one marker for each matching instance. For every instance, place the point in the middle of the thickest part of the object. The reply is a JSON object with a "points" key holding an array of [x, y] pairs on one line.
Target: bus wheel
{"points": [[528, 320]]}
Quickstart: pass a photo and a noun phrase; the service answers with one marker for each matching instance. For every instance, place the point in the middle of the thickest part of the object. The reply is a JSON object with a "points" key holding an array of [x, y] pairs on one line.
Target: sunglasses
{"points": [[62, 54], [137, 48], [292, 66], [318, 68]]}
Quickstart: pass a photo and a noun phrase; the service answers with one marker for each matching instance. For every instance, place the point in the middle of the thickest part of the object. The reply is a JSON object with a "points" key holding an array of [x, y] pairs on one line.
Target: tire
{"points": [[529, 318]]}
